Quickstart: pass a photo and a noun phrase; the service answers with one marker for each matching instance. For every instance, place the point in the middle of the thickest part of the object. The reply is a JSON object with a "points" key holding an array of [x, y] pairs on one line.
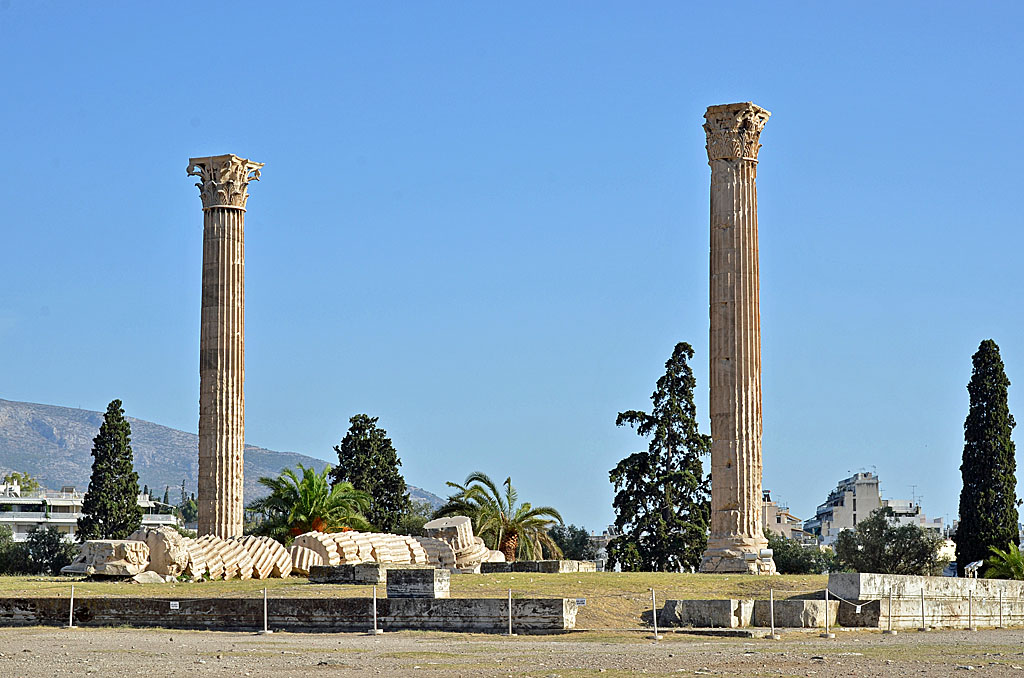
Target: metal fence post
{"points": [[654, 615], [375, 631], [71, 610], [827, 633], [888, 631], [266, 629], [1000, 608], [771, 613], [510, 613], [970, 611], [924, 625]]}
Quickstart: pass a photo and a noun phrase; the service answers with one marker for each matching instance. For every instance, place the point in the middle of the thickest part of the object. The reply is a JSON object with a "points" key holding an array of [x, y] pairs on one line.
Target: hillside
{"points": [[53, 444]]}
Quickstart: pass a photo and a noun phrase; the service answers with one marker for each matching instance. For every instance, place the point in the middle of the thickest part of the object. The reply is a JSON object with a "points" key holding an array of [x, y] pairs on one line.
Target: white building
{"points": [[855, 499], [24, 512]]}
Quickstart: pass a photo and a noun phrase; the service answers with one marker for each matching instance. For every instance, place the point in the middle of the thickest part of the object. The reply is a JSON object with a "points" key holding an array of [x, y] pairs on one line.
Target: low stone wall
{"points": [[298, 614], [729, 614], [949, 602], [539, 566], [363, 573], [796, 613]]}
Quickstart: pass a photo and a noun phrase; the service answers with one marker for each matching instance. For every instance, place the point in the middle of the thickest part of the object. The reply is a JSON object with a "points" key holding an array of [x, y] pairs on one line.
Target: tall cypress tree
{"points": [[988, 500], [110, 509], [662, 502], [368, 460]]}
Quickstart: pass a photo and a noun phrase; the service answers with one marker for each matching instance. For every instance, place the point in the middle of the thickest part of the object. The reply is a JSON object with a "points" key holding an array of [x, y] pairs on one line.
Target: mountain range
{"points": [[53, 444]]}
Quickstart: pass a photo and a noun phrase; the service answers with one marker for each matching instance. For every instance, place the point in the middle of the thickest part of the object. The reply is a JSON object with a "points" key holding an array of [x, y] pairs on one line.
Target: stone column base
{"points": [[739, 557]]}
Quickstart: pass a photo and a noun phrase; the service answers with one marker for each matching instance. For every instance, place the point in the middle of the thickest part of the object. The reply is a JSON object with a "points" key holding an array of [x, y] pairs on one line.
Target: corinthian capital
{"points": [[733, 131], [224, 179]]}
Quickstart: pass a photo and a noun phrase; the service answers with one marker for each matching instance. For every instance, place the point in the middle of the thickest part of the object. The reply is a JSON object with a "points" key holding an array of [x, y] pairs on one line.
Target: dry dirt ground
{"points": [[112, 653]]}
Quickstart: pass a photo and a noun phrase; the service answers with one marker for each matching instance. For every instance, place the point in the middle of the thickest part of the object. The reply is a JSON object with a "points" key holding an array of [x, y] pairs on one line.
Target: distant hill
{"points": [[53, 444]]}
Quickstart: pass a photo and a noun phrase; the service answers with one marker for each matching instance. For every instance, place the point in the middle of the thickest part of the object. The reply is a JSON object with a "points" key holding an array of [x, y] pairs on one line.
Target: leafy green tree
{"points": [[1008, 564], [110, 509], [307, 503], [13, 556], [792, 557], [574, 542], [27, 483], [662, 502], [47, 550], [881, 545], [415, 518], [517, 530], [988, 500], [368, 460]]}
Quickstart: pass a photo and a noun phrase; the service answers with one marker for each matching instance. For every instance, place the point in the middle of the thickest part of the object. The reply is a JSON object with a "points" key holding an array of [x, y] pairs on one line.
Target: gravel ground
{"points": [[147, 652]]}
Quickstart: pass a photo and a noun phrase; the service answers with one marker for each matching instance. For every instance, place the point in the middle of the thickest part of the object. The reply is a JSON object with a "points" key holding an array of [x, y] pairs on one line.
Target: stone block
{"points": [[495, 568], [361, 573], [795, 613], [110, 558], [167, 552], [728, 614], [418, 583]]}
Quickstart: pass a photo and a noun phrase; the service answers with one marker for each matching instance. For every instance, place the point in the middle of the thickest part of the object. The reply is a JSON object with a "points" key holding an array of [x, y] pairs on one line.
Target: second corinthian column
{"points": [[737, 538], [223, 187]]}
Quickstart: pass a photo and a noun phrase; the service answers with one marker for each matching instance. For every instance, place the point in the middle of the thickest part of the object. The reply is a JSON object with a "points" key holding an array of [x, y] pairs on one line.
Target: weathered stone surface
{"points": [[540, 566], [456, 531], [733, 133], [298, 614], [167, 552], [148, 577], [223, 187], [795, 613], [360, 573], [321, 544], [707, 613], [439, 552], [303, 559], [110, 558], [949, 602], [418, 583]]}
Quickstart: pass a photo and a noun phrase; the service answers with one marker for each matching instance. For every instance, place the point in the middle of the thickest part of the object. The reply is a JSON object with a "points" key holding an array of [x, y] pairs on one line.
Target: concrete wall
{"points": [[298, 614]]}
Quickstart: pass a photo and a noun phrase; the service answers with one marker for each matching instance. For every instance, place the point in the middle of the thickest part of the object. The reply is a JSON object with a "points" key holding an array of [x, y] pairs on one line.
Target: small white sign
{"points": [[581, 601], [174, 605]]}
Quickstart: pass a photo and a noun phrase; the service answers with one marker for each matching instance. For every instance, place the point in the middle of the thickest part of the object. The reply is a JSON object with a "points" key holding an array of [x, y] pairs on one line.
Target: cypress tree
{"points": [[662, 500], [988, 500], [368, 460], [110, 509]]}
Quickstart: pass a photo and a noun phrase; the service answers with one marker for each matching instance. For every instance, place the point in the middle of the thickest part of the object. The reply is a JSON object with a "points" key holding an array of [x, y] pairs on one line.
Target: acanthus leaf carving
{"points": [[224, 179]]}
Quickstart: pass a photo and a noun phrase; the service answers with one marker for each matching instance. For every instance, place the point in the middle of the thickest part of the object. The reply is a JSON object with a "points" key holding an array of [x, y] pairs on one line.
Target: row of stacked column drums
{"points": [[163, 551]]}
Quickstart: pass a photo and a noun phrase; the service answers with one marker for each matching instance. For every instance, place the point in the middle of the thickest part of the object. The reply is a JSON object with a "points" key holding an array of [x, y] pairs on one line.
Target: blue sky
{"points": [[488, 224]]}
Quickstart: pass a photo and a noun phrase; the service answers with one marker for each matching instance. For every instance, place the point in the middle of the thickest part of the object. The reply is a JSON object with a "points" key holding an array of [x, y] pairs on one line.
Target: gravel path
{"points": [[112, 653]]}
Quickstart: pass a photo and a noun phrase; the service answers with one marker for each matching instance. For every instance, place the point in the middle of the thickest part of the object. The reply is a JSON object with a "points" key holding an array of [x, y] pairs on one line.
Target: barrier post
{"points": [[374, 631], [510, 613], [924, 626], [71, 610], [970, 611], [654, 615], [827, 633], [888, 631], [771, 613], [266, 629], [1000, 608]]}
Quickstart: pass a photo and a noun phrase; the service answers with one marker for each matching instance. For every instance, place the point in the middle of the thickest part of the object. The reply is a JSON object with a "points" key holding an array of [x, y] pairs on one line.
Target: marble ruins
{"points": [[737, 543], [223, 187], [163, 551]]}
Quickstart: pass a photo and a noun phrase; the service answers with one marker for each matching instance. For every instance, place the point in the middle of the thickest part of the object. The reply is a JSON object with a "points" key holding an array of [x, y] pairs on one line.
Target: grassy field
{"points": [[614, 599]]}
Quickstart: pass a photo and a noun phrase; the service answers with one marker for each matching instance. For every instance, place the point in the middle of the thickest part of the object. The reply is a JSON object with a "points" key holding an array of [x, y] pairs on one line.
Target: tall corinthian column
{"points": [[223, 184], [737, 538]]}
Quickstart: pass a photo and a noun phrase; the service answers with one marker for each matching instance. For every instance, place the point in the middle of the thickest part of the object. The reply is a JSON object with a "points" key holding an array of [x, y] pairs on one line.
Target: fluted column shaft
{"points": [[733, 132], [223, 182]]}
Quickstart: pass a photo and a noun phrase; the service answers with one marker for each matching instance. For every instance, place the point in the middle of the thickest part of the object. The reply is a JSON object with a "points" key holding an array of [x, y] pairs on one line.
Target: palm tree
{"points": [[517, 530], [1008, 564], [308, 503]]}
